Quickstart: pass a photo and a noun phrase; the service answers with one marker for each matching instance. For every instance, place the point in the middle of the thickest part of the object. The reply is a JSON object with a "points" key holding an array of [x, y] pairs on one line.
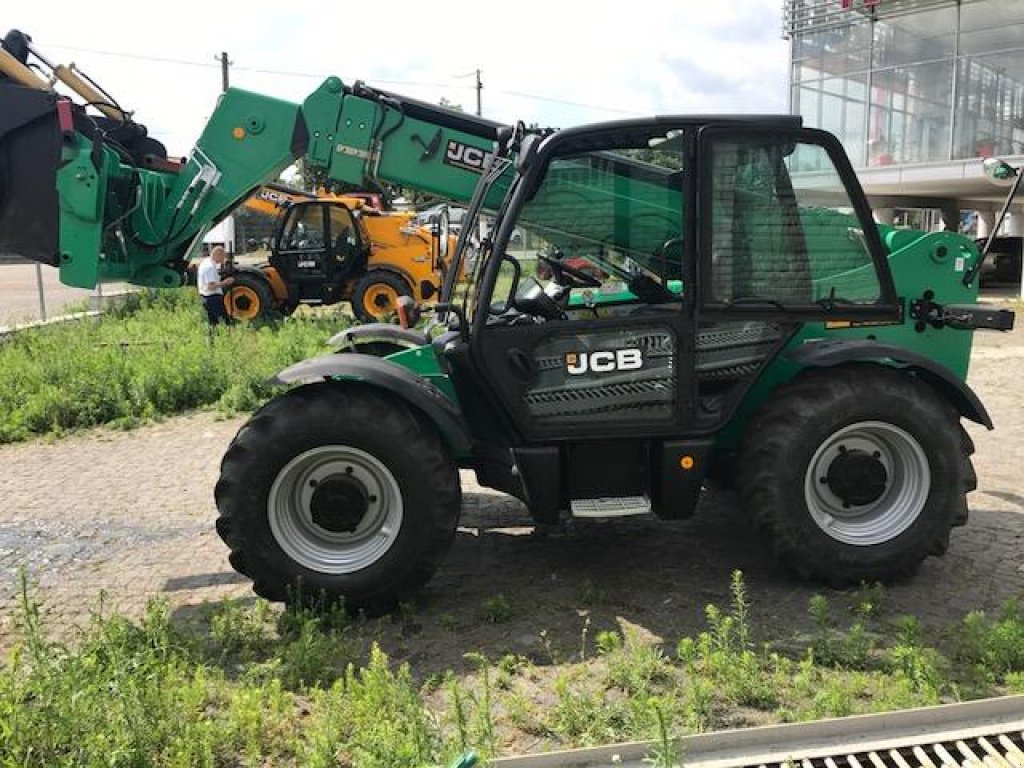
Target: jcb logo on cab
{"points": [[604, 361]]}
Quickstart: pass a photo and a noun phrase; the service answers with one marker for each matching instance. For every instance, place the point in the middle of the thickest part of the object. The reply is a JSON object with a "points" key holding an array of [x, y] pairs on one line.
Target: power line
{"points": [[138, 56], [256, 70], [566, 102], [321, 76]]}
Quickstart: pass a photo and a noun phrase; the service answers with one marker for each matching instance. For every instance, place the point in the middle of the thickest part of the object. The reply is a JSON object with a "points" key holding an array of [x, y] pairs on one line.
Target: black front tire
{"points": [[250, 299], [375, 295], [273, 530], [875, 516]]}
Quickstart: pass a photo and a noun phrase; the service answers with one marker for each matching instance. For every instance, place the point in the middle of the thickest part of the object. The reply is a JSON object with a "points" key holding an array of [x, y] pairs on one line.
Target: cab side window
{"points": [[783, 227], [306, 230]]}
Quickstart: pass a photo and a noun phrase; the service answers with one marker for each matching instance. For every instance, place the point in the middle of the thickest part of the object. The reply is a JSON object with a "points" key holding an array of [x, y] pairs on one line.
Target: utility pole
{"points": [[224, 64], [479, 88]]}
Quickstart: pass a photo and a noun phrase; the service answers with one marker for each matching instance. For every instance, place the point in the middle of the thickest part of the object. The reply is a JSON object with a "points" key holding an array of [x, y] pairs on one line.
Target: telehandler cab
{"points": [[747, 321]]}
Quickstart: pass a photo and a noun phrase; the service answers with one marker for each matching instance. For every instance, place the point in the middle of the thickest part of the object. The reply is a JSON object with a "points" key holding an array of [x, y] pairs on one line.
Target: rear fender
{"points": [[826, 354], [378, 373], [277, 286]]}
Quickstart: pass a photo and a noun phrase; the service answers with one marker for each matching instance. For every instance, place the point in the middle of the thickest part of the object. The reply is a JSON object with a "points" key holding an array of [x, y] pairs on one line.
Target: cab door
{"points": [[786, 231], [785, 238], [613, 359], [301, 251]]}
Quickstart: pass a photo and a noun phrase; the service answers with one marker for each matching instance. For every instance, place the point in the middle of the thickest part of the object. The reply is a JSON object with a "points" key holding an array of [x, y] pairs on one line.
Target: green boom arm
{"points": [[119, 216], [354, 134]]}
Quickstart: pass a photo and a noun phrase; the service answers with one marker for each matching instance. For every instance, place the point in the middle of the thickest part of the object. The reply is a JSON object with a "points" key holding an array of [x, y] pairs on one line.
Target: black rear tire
{"points": [[250, 299], [856, 473], [376, 294], [288, 498]]}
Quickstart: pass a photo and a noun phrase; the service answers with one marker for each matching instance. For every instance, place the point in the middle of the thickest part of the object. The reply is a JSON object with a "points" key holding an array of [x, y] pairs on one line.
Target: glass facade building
{"points": [[910, 81]]}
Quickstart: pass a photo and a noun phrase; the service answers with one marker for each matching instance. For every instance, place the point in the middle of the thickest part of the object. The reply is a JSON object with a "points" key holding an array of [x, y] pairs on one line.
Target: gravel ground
{"points": [[130, 515]]}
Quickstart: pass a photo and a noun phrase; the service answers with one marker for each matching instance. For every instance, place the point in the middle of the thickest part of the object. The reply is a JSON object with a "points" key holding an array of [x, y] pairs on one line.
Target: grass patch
{"points": [[260, 686], [153, 357]]}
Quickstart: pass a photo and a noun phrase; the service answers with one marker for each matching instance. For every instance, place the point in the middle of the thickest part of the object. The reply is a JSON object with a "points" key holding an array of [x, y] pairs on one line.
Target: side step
{"points": [[611, 506]]}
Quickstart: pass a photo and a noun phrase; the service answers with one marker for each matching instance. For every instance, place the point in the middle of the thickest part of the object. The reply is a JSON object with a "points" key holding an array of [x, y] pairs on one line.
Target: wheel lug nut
{"points": [[312, 483], [876, 454], [348, 470], [373, 499]]}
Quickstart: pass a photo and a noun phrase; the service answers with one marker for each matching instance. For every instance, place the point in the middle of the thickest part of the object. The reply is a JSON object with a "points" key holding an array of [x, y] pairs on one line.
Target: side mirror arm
{"points": [[444, 307]]}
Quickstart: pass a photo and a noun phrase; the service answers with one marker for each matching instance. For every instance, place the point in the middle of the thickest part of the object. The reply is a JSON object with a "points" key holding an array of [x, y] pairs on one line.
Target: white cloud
{"points": [[588, 61]]}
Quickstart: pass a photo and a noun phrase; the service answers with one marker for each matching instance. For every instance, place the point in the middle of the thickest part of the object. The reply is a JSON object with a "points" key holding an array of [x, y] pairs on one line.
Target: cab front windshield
{"points": [[476, 229], [613, 213]]}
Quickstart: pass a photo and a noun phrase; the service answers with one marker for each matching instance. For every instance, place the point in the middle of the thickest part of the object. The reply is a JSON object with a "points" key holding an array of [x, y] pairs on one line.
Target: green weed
{"points": [[257, 686], [496, 609], [637, 666], [994, 647], [871, 601], [666, 754], [154, 356]]}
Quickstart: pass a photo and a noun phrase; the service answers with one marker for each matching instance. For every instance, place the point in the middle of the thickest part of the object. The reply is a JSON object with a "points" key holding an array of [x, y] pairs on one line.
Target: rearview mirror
{"points": [[505, 287], [998, 171], [442, 230], [1002, 173]]}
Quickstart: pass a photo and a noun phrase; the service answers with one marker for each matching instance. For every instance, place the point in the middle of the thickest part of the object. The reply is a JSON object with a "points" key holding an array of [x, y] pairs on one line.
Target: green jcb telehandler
{"points": [[749, 322], [745, 320]]}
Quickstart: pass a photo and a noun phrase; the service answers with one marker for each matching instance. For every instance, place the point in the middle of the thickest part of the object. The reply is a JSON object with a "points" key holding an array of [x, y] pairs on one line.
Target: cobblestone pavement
{"points": [[130, 514]]}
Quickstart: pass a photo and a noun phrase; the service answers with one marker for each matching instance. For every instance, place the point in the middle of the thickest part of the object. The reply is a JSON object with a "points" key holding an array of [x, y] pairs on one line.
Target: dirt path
{"points": [[130, 514]]}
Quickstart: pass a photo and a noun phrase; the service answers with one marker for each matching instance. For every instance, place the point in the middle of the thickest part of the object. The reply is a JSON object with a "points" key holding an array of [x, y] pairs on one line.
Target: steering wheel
{"points": [[531, 299], [577, 277]]}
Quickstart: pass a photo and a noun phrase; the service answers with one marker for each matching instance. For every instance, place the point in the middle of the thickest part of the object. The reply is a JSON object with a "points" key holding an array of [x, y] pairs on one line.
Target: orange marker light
{"points": [[238, 132], [686, 462]]}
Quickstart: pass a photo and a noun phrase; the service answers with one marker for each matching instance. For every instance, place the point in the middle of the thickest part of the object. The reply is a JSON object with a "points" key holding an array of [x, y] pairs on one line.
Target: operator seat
{"points": [[346, 252]]}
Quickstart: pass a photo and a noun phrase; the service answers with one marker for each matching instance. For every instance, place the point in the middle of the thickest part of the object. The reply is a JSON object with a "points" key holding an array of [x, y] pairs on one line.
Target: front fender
{"points": [[375, 372], [351, 338], [825, 354]]}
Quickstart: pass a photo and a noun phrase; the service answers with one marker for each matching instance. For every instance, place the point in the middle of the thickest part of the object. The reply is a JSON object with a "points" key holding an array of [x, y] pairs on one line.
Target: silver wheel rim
{"points": [[907, 485], [293, 513]]}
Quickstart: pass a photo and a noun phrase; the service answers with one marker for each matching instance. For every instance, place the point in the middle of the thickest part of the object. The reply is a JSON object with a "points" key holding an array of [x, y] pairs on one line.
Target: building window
{"points": [[899, 84]]}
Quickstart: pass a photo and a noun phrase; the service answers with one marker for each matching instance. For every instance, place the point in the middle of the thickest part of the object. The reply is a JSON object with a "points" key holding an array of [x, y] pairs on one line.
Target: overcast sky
{"points": [[554, 63]]}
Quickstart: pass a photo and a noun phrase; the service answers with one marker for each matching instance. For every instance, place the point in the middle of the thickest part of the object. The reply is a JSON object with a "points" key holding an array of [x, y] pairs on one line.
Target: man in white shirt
{"points": [[211, 285]]}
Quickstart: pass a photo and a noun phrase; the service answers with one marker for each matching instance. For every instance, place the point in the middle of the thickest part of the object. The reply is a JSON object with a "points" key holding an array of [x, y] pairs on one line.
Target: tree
{"points": [[310, 178], [449, 104]]}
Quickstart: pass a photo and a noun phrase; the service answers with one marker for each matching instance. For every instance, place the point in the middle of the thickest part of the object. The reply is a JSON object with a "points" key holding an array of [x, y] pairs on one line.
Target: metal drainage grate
{"points": [[996, 750], [980, 734]]}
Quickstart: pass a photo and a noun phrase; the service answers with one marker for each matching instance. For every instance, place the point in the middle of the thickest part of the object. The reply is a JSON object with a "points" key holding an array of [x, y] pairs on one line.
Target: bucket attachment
{"points": [[30, 154]]}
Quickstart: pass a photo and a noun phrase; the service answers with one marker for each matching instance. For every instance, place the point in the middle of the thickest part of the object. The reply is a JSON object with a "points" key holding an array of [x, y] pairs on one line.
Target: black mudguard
{"points": [[825, 354], [352, 338], [375, 372]]}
